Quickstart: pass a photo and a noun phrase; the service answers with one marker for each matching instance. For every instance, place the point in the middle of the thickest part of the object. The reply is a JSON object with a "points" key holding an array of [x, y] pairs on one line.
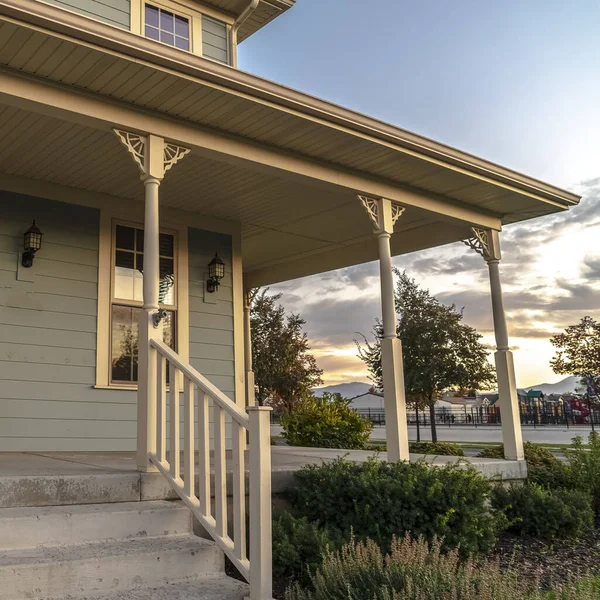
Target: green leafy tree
{"points": [[578, 353], [440, 352], [285, 372]]}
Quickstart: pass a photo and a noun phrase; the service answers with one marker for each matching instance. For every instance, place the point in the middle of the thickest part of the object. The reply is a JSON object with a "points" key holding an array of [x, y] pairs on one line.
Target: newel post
{"points": [[384, 214], [487, 244], [261, 565], [154, 157]]}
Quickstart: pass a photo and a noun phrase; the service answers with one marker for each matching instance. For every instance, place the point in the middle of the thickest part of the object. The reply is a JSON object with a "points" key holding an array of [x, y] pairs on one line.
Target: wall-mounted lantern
{"points": [[32, 242], [216, 272]]}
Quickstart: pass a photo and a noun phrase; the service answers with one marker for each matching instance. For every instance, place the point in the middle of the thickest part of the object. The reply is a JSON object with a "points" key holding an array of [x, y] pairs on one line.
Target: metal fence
{"points": [[531, 415]]}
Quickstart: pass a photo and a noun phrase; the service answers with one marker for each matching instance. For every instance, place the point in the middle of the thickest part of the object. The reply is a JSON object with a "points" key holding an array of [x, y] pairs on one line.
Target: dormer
{"points": [[211, 29]]}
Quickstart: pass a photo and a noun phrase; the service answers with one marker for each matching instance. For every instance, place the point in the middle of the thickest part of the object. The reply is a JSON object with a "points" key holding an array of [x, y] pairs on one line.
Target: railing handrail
{"points": [[202, 382]]}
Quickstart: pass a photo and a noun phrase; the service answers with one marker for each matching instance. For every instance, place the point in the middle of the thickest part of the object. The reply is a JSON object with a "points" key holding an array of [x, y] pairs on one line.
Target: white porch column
{"points": [[384, 215], [250, 391], [154, 158], [487, 244]]}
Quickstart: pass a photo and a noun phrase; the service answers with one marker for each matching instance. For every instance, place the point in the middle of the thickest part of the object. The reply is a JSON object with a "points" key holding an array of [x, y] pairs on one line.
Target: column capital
{"points": [[383, 213], [486, 242], [152, 154]]}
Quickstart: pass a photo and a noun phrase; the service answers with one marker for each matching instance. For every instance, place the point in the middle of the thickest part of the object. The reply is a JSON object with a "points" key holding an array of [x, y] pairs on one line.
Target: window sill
{"points": [[126, 388]]}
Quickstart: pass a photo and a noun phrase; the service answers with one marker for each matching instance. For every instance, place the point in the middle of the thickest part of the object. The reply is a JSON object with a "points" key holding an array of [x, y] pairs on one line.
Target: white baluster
{"points": [[239, 490], [188, 437], [220, 472], [161, 408], [174, 458], [203, 454]]}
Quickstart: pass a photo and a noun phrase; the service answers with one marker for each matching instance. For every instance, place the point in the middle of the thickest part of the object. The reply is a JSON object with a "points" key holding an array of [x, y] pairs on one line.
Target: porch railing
{"points": [[257, 567]]}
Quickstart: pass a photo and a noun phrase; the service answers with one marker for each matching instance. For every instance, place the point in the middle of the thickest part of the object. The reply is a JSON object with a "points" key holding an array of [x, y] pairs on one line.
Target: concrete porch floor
{"points": [[43, 479]]}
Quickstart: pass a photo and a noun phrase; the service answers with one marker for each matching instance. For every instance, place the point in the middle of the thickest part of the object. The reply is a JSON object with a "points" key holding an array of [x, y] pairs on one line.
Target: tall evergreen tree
{"points": [[440, 352], [284, 370]]}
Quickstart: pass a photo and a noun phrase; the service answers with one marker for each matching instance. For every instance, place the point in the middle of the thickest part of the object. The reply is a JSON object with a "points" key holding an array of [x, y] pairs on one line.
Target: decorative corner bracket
{"points": [[173, 154], [136, 146], [382, 212], [140, 148], [485, 242]]}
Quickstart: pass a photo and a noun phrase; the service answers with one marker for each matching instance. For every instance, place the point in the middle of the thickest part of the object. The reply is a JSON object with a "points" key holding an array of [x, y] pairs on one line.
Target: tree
{"points": [[578, 353], [440, 352], [284, 370]]}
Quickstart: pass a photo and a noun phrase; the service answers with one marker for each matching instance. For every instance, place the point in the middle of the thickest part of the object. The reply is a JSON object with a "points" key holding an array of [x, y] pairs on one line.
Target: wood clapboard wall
{"points": [[48, 332], [114, 12]]}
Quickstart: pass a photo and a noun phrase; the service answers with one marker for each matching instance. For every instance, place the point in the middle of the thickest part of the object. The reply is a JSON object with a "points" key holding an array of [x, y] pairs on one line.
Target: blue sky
{"points": [[512, 81]]}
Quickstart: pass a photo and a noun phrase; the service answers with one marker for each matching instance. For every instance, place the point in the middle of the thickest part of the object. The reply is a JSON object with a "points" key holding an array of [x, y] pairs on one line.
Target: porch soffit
{"points": [[282, 221], [204, 93]]}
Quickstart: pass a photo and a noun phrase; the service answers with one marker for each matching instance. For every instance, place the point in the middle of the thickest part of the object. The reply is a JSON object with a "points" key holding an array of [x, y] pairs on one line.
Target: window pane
{"points": [[182, 44], [167, 38], [125, 342], [152, 33], [166, 292], [166, 21], [139, 238], [125, 237], [166, 244], [124, 351], [128, 279], [151, 16], [181, 27]]}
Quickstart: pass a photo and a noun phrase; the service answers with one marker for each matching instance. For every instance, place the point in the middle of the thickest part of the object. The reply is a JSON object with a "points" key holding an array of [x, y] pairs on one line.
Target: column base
{"points": [[509, 406], [394, 400]]}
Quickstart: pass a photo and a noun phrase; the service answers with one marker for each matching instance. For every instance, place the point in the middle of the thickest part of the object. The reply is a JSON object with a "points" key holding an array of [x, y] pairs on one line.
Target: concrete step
{"points": [[211, 588], [61, 525], [102, 567]]}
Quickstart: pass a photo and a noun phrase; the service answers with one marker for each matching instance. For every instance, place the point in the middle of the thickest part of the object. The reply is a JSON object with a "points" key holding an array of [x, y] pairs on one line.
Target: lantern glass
{"points": [[216, 268], [33, 239]]}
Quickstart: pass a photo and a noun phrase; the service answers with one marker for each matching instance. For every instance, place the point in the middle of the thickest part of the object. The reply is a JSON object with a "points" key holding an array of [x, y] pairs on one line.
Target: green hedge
{"points": [[540, 512], [379, 500], [436, 449], [326, 422], [543, 468]]}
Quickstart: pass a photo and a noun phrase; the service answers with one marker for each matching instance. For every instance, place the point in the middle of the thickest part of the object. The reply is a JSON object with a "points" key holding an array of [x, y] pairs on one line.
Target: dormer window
{"points": [[167, 27]]}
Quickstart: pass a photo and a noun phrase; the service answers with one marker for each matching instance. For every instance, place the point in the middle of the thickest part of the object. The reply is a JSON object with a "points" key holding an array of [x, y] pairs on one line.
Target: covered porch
{"points": [[287, 185]]}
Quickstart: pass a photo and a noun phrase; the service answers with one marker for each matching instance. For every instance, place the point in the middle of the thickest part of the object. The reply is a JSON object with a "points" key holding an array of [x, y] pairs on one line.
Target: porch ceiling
{"points": [[282, 221]]}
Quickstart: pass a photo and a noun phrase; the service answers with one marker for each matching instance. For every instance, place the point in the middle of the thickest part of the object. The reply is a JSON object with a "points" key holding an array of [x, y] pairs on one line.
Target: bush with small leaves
{"points": [[584, 466], [533, 510], [298, 547], [379, 500], [543, 468], [412, 570], [326, 422], [436, 449]]}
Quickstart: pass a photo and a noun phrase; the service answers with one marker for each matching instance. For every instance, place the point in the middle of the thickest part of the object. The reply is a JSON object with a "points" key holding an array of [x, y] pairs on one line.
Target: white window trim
{"points": [[106, 249], [138, 22]]}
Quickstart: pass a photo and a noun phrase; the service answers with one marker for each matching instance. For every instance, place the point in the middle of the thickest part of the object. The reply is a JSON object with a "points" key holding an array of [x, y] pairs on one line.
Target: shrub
{"points": [[326, 422], [543, 468], [437, 448], [298, 547], [585, 467], [380, 500], [411, 571], [541, 512]]}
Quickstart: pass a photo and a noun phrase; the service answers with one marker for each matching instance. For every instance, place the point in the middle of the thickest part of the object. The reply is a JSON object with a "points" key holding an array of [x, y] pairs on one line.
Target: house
{"points": [[146, 185]]}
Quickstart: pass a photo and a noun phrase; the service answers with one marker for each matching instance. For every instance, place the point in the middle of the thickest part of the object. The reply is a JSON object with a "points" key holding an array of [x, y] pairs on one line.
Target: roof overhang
{"points": [[285, 165]]}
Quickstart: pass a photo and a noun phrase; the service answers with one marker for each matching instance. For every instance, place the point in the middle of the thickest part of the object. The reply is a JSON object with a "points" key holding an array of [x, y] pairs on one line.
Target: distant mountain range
{"points": [[356, 388]]}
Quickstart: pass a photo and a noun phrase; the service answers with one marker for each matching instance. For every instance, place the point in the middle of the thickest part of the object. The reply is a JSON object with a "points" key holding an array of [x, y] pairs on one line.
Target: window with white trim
{"points": [[127, 276], [167, 27]]}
